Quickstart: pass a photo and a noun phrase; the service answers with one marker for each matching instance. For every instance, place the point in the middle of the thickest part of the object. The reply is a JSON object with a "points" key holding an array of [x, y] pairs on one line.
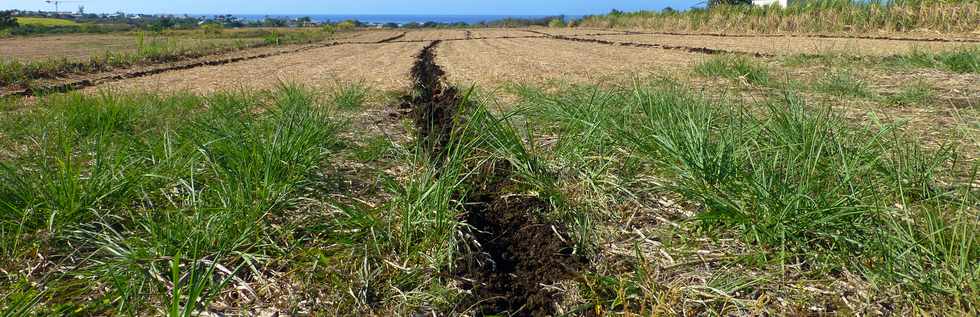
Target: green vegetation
{"points": [[45, 21], [957, 16], [965, 60], [556, 23], [151, 49], [915, 94], [7, 20], [735, 67], [164, 204], [351, 96], [843, 83], [161, 197]]}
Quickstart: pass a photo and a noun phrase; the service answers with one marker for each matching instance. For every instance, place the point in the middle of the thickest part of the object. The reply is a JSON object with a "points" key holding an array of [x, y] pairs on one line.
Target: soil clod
{"points": [[516, 255]]}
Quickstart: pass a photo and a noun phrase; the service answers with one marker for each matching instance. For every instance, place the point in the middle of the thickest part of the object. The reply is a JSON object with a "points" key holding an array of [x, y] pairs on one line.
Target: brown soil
{"points": [[520, 254], [498, 62], [517, 255], [782, 45], [379, 66], [433, 35], [597, 39], [434, 104], [83, 46]]}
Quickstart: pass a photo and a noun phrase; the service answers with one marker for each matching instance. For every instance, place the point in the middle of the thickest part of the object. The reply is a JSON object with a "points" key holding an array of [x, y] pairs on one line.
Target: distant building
{"points": [[781, 3]]}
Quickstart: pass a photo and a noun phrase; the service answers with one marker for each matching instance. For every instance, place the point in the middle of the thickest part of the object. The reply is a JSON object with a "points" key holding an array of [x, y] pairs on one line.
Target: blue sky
{"points": [[529, 7]]}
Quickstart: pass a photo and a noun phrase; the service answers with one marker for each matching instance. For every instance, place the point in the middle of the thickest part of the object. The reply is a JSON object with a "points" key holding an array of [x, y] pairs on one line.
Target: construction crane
{"points": [[58, 3]]}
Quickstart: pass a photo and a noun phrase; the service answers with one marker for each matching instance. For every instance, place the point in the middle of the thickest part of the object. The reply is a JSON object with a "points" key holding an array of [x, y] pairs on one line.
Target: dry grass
{"points": [[491, 63], [84, 46], [383, 66], [790, 45], [434, 34]]}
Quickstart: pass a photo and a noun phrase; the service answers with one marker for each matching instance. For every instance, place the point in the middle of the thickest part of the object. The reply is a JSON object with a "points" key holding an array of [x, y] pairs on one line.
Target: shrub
{"points": [[735, 67], [556, 23], [347, 25], [212, 29], [7, 20]]}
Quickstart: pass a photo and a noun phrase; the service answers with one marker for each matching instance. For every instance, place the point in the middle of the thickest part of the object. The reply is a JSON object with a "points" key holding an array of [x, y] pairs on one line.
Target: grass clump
{"points": [[917, 93], [800, 182], [843, 83], [736, 67], [351, 96], [159, 198], [962, 60]]}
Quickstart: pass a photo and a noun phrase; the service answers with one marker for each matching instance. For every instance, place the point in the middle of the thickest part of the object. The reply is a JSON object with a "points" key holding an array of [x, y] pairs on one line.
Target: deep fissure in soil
{"points": [[516, 255]]}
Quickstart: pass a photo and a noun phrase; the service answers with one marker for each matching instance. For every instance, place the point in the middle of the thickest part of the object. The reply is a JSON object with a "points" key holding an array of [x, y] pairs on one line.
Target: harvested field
{"points": [[490, 63], [372, 35], [576, 31], [79, 47], [787, 45], [496, 33], [381, 66], [433, 34], [582, 177]]}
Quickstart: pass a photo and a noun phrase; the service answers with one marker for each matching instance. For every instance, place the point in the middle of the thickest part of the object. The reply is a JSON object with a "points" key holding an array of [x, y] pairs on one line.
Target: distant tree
{"points": [[615, 12], [556, 23], [304, 20], [347, 25], [7, 20], [412, 25], [668, 10], [274, 22], [212, 28], [430, 24], [390, 25]]}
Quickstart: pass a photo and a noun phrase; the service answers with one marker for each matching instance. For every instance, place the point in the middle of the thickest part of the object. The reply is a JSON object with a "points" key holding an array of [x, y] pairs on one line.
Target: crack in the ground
{"points": [[691, 49], [519, 257]]}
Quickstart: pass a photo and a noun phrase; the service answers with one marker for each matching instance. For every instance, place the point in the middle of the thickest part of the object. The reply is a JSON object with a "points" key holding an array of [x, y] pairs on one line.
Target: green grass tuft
{"points": [[843, 83], [735, 67]]}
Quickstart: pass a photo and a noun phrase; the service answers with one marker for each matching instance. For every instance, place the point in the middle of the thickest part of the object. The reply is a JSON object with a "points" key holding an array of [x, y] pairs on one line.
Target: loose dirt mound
{"points": [[521, 255], [434, 104], [516, 255]]}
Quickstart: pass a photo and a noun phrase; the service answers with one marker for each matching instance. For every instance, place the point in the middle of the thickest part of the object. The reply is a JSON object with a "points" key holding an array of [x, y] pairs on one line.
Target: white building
{"points": [[781, 3]]}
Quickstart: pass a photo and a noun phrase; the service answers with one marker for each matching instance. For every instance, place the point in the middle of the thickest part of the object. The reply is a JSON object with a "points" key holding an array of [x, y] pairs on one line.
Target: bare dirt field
{"points": [[498, 32], [380, 66], [432, 35], [371, 35], [575, 31], [787, 45], [493, 62], [76, 47]]}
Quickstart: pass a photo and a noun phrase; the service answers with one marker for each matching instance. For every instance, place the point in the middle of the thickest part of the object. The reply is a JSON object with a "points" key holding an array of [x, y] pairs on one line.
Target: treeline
{"points": [[811, 16]]}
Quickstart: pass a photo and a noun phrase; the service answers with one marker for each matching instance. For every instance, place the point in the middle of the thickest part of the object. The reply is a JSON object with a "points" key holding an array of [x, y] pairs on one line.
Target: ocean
{"points": [[393, 18]]}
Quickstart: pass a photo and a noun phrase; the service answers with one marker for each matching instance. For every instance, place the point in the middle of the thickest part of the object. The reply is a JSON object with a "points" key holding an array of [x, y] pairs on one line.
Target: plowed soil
{"points": [[83, 46], [372, 35], [380, 66], [576, 31], [434, 34], [786, 45], [496, 33], [499, 61]]}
